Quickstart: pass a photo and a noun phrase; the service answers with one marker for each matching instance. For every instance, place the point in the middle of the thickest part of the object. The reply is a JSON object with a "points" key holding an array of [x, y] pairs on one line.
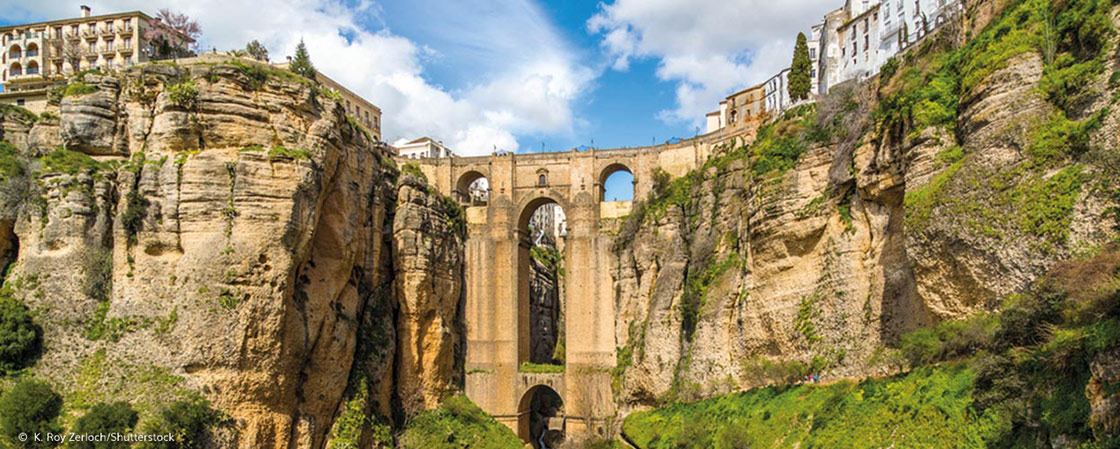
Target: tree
{"points": [[799, 82], [30, 407], [173, 35], [104, 418], [73, 53], [256, 50], [301, 63], [20, 337]]}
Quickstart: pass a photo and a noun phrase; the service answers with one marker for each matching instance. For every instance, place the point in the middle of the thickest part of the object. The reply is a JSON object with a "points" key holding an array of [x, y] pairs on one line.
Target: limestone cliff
{"points": [[934, 191], [224, 229]]}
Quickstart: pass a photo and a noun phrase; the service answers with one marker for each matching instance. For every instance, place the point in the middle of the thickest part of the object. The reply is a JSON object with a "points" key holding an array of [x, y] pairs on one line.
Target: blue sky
{"points": [[511, 74]]}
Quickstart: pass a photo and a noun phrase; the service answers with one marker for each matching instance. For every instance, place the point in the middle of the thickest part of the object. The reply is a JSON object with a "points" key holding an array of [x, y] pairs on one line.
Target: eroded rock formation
{"points": [[235, 236]]}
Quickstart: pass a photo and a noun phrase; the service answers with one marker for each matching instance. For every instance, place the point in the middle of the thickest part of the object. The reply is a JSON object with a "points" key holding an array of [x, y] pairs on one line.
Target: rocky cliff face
{"points": [[928, 195], [223, 229]]}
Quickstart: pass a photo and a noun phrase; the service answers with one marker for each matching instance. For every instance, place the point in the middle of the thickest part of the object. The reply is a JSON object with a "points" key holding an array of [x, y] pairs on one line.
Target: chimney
{"points": [[85, 11]]}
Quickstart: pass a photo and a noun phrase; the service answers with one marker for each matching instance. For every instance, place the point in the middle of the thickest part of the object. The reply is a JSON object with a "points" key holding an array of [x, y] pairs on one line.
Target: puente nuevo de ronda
{"points": [[497, 268]]}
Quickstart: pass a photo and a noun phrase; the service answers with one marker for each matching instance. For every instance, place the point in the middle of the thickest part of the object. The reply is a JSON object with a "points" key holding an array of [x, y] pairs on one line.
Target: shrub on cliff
{"points": [[187, 420], [30, 407], [104, 418], [20, 337], [456, 424]]}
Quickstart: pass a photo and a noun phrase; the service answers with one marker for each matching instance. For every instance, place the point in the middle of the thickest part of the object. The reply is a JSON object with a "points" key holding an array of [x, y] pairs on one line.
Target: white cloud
{"points": [[708, 47], [527, 76]]}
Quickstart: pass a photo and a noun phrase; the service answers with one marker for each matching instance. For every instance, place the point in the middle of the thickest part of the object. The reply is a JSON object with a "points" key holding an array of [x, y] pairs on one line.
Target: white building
{"points": [[424, 148], [777, 92]]}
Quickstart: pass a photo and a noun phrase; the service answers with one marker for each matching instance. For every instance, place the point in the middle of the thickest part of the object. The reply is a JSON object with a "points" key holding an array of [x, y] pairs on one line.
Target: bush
{"points": [[70, 162], [20, 337], [77, 89], [187, 420], [132, 218], [458, 423], [183, 95], [103, 418], [99, 274], [30, 407]]}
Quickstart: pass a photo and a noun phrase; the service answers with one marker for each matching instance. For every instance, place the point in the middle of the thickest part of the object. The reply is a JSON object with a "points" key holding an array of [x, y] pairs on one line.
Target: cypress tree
{"points": [[301, 63], [799, 81]]}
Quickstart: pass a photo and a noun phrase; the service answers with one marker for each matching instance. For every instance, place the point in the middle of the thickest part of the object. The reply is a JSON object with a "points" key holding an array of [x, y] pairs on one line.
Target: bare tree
{"points": [[173, 34], [73, 53]]}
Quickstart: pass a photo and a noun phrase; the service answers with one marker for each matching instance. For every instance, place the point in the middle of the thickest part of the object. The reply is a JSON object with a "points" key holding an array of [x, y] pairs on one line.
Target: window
{"points": [[127, 43], [109, 44], [812, 53], [812, 73], [128, 24], [93, 47], [20, 102], [866, 43], [73, 30], [109, 62], [128, 60], [542, 180], [108, 25], [58, 32]]}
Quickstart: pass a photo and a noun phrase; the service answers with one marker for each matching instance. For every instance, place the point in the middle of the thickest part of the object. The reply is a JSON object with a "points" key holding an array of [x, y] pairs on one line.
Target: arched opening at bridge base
{"points": [[472, 189], [540, 418], [542, 231], [616, 183]]}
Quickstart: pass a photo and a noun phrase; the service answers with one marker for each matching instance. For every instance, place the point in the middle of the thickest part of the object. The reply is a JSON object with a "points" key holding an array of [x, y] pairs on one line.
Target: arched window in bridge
{"points": [[542, 180], [473, 189], [617, 183]]}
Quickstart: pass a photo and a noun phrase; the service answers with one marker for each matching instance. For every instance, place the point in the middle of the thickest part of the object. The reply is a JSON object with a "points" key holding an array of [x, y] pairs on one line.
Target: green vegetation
{"points": [[456, 216], [457, 423], [78, 88], [412, 168], [11, 109], [132, 217], [105, 418], [256, 50], [10, 163], [70, 162], [1012, 379], [528, 367], [924, 409], [188, 420], [347, 429], [280, 151], [696, 288], [30, 407], [301, 63], [779, 145], [550, 257], [799, 83], [183, 95], [20, 337], [98, 267]]}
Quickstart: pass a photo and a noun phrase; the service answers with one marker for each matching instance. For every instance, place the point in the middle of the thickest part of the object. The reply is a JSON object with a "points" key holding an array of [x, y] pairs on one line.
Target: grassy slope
{"points": [[458, 423], [1013, 379]]}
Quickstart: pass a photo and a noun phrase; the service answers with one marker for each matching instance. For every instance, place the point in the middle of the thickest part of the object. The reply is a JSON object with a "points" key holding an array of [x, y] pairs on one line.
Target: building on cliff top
{"points": [[39, 55], [424, 148], [851, 43]]}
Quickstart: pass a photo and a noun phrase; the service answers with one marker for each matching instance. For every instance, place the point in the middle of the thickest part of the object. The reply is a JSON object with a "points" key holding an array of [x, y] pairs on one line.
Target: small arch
{"points": [[33, 68], [32, 50], [473, 189], [15, 51], [16, 69], [616, 183], [540, 417]]}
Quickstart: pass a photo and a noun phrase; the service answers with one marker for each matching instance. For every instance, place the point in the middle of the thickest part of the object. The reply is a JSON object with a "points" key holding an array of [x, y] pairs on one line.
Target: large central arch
{"points": [[525, 317]]}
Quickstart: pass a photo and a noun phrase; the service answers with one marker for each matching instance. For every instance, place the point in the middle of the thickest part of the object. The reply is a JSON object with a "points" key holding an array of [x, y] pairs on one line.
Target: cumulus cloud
{"points": [[527, 77], [708, 47]]}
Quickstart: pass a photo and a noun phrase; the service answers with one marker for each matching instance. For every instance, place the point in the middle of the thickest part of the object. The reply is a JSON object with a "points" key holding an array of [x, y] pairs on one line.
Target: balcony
{"points": [[124, 31], [125, 49], [107, 31], [72, 36], [90, 35], [108, 50]]}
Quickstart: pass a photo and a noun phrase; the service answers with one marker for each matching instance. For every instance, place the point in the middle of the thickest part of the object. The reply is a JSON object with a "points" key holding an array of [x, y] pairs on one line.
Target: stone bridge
{"points": [[497, 271]]}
